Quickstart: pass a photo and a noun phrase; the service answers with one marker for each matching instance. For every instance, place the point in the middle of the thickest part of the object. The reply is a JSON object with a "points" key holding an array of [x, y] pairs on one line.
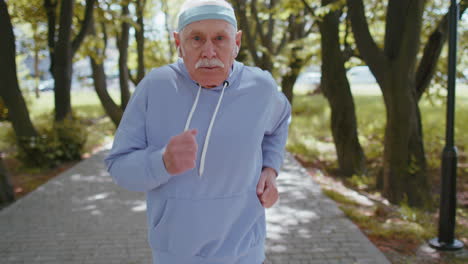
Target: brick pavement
{"points": [[81, 216]]}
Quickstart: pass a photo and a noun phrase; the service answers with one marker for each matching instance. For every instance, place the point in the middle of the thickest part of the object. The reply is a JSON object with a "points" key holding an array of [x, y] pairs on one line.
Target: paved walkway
{"points": [[81, 216]]}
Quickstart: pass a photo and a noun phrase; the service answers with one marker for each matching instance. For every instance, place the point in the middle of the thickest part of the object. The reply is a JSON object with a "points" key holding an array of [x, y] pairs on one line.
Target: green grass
{"points": [[310, 138], [85, 104], [310, 134], [338, 197]]}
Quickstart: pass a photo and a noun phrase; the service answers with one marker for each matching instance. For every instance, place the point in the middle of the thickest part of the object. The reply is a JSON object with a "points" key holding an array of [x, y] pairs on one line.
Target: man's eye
{"points": [[219, 38], [197, 38]]}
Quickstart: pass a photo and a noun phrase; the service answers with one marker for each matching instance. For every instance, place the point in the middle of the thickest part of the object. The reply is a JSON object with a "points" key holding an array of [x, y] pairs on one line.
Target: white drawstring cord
{"points": [[208, 134], [195, 103]]}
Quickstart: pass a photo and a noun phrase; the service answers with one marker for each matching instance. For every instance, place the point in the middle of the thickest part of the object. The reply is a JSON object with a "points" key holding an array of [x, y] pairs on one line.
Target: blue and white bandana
{"points": [[206, 12]]}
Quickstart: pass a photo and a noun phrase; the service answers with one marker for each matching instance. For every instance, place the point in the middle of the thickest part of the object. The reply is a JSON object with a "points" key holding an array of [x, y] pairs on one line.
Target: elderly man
{"points": [[204, 204]]}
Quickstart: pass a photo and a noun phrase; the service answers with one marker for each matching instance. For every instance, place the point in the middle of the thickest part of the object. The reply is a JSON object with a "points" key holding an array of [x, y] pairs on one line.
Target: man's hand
{"points": [[266, 188], [181, 152]]}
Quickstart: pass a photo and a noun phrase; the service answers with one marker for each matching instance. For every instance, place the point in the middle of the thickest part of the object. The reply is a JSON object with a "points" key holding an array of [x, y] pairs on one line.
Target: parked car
{"points": [[46, 85]]}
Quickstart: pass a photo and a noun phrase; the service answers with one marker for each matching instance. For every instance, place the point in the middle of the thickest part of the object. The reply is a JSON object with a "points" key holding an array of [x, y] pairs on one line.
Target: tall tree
{"points": [[297, 25], [122, 44], [432, 52], [268, 36], [140, 40], [12, 97], [62, 49], [402, 81], [29, 12], [18, 112], [97, 55], [7, 194], [167, 16], [336, 88]]}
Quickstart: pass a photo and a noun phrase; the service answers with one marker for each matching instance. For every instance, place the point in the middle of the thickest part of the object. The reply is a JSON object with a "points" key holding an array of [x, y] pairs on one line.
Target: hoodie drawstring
{"points": [[213, 117]]}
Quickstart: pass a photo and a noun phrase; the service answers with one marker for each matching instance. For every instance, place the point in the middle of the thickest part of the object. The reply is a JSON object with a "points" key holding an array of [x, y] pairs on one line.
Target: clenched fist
{"points": [[181, 152]]}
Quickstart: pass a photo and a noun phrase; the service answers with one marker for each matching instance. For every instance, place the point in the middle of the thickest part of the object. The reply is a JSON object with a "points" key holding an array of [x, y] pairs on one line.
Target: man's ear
{"points": [[239, 39], [176, 38], [177, 43]]}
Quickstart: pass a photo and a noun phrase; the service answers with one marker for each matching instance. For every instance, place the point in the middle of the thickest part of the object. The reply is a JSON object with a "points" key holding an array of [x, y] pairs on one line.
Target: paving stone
{"points": [[81, 216]]}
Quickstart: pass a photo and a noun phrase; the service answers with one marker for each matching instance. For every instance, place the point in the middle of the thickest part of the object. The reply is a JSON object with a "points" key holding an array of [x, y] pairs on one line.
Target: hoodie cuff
{"points": [[272, 161], [157, 166]]}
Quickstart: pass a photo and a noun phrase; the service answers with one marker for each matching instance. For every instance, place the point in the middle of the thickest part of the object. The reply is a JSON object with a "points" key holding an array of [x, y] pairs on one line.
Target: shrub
{"points": [[60, 143]]}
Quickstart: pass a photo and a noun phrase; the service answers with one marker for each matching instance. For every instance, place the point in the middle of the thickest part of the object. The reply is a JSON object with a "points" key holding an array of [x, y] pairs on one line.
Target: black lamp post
{"points": [[448, 198]]}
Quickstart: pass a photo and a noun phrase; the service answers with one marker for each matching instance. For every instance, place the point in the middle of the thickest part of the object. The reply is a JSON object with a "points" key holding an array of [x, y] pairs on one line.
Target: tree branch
{"points": [[432, 51], [372, 55], [271, 25], [51, 20], [131, 77], [284, 39], [395, 23], [85, 27], [244, 25], [168, 30], [253, 8], [308, 8], [104, 36]]}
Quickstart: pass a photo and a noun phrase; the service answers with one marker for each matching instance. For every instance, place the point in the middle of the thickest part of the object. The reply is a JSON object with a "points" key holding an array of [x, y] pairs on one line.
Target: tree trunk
{"points": [[63, 62], [36, 60], [99, 76], [295, 65], [36, 73], [122, 43], [9, 91], [336, 89], [404, 170], [112, 109], [63, 50], [50, 8], [170, 43], [287, 85], [7, 194], [140, 40]]}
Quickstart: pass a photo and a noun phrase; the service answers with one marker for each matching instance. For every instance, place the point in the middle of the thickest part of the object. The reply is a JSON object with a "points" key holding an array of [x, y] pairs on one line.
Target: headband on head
{"points": [[206, 12]]}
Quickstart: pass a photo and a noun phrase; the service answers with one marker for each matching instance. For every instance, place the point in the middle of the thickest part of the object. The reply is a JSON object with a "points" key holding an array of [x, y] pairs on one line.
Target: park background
{"points": [[368, 85]]}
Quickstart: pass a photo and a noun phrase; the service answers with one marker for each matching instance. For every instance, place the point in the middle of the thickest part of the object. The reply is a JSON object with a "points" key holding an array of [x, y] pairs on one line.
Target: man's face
{"points": [[208, 48]]}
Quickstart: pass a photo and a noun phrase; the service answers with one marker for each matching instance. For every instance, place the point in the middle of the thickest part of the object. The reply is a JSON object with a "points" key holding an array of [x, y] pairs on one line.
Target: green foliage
{"points": [[362, 219], [331, 7], [338, 197], [361, 181], [394, 227], [413, 167], [94, 46], [57, 144]]}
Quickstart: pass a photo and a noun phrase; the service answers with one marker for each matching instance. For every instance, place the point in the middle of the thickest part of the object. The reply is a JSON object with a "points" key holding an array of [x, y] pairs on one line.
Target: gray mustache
{"points": [[209, 63]]}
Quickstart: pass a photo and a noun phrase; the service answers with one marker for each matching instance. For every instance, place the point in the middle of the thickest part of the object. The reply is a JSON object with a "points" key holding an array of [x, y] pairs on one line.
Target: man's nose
{"points": [[208, 50]]}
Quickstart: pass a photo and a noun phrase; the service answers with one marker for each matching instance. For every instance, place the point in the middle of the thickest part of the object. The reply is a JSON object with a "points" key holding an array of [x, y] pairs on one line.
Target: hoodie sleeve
{"points": [[276, 133], [131, 162]]}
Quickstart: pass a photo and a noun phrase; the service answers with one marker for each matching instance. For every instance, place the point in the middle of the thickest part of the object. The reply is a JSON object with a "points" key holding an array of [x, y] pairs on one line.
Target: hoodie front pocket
{"points": [[220, 227]]}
